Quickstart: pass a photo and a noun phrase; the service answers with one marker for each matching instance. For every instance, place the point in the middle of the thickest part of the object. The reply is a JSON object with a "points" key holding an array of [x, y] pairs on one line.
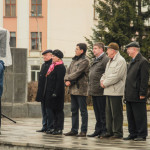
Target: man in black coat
{"points": [[135, 93], [47, 119]]}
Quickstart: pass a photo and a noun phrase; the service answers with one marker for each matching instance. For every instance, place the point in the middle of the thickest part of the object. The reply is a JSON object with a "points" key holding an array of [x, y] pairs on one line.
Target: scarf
{"points": [[52, 66]]}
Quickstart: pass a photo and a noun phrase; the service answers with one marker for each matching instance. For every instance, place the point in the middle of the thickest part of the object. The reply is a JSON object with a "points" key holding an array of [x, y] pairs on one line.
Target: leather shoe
{"points": [[129, 137], [81, 134], [106, 135], [50, 131], [42, 130], [93, 135], [57, 132], [116, 137], [140, 139], [71, 133]]}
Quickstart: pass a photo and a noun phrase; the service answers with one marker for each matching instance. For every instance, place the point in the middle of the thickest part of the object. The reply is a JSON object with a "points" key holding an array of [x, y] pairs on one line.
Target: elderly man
{"points": [[47, 118], [113, 82], [97, 68], [136, 88]]}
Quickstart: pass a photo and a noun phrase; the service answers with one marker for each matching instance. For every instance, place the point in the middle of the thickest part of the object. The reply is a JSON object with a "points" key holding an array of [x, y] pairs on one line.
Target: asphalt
{"points": [[23, 136]]}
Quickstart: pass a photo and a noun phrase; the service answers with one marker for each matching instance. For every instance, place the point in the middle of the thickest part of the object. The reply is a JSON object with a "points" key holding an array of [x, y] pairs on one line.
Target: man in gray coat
{"points": [[77, 80], [97, 68], [113, 82]]}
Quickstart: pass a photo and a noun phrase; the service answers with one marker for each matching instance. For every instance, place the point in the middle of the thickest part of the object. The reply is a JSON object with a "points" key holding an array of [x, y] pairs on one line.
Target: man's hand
{"points": [[68, 83], [142, 97], [102, 85]]}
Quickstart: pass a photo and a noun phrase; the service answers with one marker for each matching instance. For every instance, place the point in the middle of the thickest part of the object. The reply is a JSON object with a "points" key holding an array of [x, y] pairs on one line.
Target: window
{"points": [[35, 40], [10, 8], [36, 7], [35, 71], [12, 39]]}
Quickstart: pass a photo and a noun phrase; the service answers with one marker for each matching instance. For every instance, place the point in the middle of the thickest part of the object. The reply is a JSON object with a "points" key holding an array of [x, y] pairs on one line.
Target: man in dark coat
{"points": [[135, 93], [47, 120], [55, 91], [76, 79], [97, 68]]}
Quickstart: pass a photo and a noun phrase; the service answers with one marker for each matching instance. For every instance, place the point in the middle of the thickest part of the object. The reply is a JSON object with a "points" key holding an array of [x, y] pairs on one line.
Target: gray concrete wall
{"points": [[15, 78]]}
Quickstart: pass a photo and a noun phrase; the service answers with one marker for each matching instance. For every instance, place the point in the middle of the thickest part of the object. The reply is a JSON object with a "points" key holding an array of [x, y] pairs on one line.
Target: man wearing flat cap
{"points": [[113, 82], [47, 121], [136, 88]]}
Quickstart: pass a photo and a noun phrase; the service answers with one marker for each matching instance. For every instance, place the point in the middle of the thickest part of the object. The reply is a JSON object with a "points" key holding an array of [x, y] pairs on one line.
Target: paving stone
{"points": [[23, 136]]}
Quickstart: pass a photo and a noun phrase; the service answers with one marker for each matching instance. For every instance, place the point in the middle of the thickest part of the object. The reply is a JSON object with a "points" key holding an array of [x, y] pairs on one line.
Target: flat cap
{"points": [[58, 53], [133, 44], [47, 51], [114, 46]]}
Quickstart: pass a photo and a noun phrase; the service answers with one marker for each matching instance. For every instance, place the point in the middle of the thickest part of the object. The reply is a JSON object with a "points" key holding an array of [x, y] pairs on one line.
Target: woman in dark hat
{"points": [[55, 91]]}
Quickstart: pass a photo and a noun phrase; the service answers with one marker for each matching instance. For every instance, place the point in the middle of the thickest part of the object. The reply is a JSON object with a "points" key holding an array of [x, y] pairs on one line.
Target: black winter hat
{"points": [[133, 44], [47, 51], [58, 53]]}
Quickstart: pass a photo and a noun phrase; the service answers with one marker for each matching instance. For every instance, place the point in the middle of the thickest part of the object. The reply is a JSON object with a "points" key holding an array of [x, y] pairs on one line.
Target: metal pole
{"points": [[39, 39]]}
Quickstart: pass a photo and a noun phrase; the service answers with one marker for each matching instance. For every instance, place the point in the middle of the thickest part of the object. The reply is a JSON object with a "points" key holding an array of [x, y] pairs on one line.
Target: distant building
{"points": [[61, 24]]}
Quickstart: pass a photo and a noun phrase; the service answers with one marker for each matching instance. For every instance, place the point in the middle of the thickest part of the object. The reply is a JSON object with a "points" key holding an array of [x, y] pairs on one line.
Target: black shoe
{"points": [[102, 134], [71, 133], [106, 135], [42, 130], [50, 131], [140, 139], [57, 132], [81, 134], [93, 135], [129, 138], [116, 137]]}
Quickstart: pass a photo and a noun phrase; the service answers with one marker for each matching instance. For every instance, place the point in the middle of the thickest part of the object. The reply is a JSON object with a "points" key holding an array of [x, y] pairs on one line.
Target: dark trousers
{"points": [[137, 118], [47, 117], [0, 112], [114, 115], [99, 104], [79, 102], [58, 119]]}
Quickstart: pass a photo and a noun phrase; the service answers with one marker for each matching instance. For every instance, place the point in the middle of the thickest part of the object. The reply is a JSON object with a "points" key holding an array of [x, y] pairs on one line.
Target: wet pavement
{"points": [[23, 135]]}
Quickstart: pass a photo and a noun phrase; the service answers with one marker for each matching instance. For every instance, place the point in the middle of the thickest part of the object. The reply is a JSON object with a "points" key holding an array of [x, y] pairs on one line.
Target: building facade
{"points": [[46, 24]]}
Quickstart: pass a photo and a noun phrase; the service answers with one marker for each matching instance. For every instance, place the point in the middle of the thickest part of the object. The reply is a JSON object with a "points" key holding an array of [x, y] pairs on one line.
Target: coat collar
{"points": [[98, 59], [138, 56], [115, 57], [49, 61], [78, 57]]}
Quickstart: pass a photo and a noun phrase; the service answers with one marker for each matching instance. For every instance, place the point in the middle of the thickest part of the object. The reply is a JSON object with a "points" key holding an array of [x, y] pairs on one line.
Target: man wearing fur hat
{"points": [[47, 121], [113, 82], [77, 80], [135, 93]]}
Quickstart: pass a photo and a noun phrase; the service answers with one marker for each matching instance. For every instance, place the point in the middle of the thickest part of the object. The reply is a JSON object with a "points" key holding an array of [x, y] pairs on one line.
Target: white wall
{"points": [[1, 13], [23, 24], [68, 22]]}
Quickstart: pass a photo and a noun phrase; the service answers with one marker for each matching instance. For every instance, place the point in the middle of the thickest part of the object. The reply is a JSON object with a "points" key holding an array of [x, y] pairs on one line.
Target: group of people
{"points": [[109, 80]]}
